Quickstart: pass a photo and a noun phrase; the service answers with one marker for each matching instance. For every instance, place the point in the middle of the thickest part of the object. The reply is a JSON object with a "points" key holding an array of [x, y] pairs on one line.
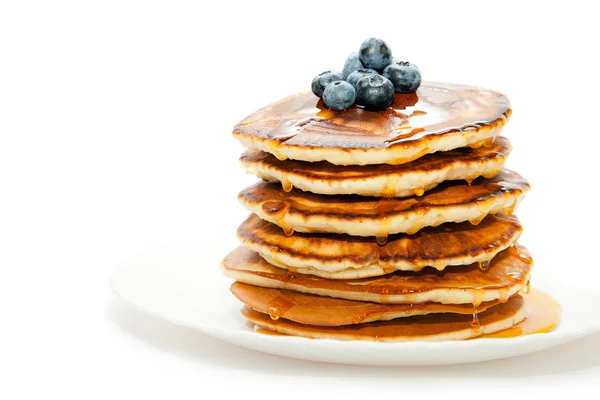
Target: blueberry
{"points": [[339, 95], [352, 64], [405, 76], [374, 92], [396, 61], [375, 53], [322, 80], [358, 74]]}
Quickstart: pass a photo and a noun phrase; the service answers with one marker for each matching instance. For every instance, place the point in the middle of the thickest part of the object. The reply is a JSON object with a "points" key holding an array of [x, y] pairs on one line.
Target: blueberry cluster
{"points": [[369, 79]]}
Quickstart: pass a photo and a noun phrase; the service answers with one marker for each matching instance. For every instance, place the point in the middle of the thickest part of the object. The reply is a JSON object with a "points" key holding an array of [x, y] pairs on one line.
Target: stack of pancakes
{"points": [[391, 225]]}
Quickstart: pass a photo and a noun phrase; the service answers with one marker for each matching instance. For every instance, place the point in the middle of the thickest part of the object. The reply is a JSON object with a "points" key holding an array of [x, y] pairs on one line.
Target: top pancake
{"points": [[438, 117]]}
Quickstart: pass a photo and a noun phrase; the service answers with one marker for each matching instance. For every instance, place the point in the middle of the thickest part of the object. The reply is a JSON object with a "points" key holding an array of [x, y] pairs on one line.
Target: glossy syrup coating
{"points": [[542, 315], [439, 247], [435, 109], [382, 180], [505, 275], [454, 201], [326, 311], [428, 327]]}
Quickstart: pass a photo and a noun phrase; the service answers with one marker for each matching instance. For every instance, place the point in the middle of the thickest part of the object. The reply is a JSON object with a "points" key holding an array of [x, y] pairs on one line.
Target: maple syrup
{"points": [[303, 120], [389, 189], [507, 187], [274, 148], [269, 332], [494, 233], [286, 184], [543, 315], [477, 220], [326, 311], [447, 325], [508, 272], [324, 171]]}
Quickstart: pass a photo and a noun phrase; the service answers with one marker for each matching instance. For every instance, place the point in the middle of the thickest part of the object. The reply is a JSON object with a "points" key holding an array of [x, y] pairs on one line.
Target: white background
{"points": [[115, 121]]}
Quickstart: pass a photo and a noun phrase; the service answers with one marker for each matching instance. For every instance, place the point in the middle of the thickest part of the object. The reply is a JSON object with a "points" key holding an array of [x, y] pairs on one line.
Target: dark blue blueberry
{"points": [[405, 76], [358, 74], [352, 64], [322, 80], [339, 95], [375, 53], [374, 92]]}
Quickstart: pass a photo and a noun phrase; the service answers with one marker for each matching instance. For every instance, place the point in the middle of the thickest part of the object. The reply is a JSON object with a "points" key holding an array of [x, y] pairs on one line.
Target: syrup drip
{"points": [[276, 209], [389, 190], [276, 259], [286, 184], [504, 295], [384, 228], [279, 306], [489, 142], [415, 228], [389, 270], [484, 265], [274, 148], [476, 145], [477, 220], [478, 297], [475, 324], [491, 174], [419, 192], [526, 258], [510, 210], [404, 160], [381, 240]]}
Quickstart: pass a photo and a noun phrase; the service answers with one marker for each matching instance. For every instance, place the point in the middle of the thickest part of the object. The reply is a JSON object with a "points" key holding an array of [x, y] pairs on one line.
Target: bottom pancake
{"points": [[425, 328], [326, 311]]}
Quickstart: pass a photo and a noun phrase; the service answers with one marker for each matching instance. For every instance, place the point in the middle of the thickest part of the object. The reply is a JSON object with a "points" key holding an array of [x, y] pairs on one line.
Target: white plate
{"points": [[174, 284]]}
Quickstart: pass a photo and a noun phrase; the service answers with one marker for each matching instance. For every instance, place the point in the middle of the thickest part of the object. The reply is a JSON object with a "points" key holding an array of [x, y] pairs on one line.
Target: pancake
{"points": [[438, 117], [454, 201], [507, 274], [430, 327], [381, 180], [326, 311], [337, 256]]}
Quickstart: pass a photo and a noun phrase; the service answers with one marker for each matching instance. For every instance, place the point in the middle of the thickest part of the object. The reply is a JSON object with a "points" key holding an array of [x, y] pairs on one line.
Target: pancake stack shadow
{"points": [[422, 250]]}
